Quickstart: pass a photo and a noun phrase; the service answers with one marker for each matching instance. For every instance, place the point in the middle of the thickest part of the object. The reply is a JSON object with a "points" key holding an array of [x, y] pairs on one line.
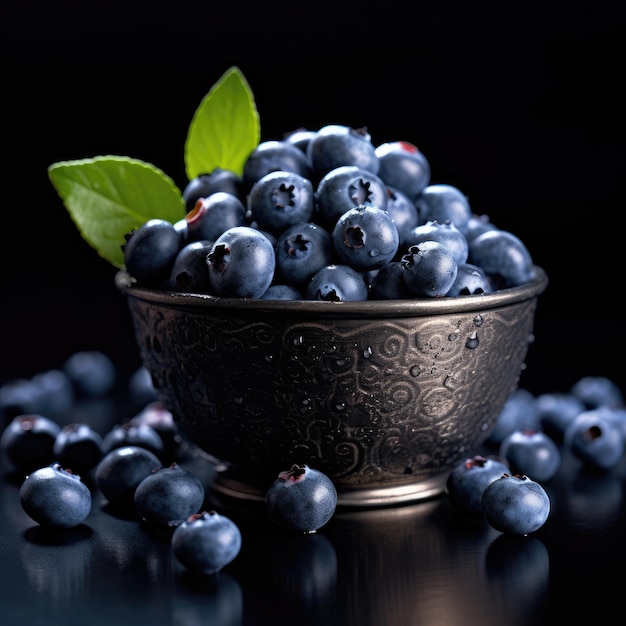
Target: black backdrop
{"points": [[520, 107]]}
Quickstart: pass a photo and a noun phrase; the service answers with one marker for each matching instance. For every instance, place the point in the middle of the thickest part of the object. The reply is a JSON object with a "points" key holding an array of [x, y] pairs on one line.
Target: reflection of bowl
{"points": [[383, 396]]}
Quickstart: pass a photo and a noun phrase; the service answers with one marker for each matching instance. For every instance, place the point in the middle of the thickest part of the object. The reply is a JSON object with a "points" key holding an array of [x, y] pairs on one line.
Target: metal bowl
{"points": [[383, 396]]}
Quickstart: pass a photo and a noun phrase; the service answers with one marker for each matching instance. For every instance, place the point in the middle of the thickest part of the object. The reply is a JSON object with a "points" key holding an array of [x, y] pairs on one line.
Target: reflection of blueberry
{"points": [[206, 542], [518, 562], [55, 497]]}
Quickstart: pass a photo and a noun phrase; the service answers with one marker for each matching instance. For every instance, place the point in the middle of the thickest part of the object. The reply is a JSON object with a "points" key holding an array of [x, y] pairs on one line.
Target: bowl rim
{"points": [[414, 307]]}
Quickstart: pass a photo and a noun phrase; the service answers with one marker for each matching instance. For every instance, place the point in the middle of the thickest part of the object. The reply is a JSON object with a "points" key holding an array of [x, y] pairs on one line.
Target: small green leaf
{"points": [[224, 129], [109, 196]]}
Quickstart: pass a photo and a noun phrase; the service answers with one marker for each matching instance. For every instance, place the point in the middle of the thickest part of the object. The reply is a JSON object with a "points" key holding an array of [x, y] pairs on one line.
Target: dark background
{"points": [[520, 106]]}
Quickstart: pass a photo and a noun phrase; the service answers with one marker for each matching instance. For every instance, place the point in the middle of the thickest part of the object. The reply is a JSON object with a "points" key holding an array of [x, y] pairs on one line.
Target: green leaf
{"points": [[224, 129], [109, 196]]}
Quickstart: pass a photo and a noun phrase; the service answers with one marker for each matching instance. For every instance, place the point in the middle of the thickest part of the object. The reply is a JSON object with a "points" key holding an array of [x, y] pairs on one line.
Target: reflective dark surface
{"points": [[404, 565]]}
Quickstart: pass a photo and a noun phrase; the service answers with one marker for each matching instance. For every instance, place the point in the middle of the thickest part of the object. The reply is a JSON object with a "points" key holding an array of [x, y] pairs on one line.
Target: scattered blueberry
{"points": [[515, 505], [531, 452], [169, 495], [78, 447], [92, 372], [596, 391], [301, 499], [467, 481], [55, 497], [133, 433], [206, 542]]}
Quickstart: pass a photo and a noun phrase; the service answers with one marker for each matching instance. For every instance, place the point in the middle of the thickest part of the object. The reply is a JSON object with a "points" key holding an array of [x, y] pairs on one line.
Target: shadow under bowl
{"points": [[385, 397]]}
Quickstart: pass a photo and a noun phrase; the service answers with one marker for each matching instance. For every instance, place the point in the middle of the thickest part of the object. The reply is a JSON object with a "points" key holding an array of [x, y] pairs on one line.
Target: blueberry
{"points": [[301, 251], [150, 250], [345, 187], [120, 471], [141, 388], [300, 138], [519, 411], [169, 495], [190, 272], [429, 269], [388, 283], [467, 481], [27, 442], [470, 280], [503, 256], [92, 372], [531, 452], [555, 411], [336, 145], [161, 420], [241, 263], [515, 505], [443, 232], [18, 397], [55, 497], [212, 215], [272, 156], [301, 499], [443, 202], [204, 185], [337, 283], [281, 292], [403, 212], [55, 393], [78, 447], [133, 434], [365, 238], [281, 199], [206, 542], [595, 440], [404, 167], [596, 391], [477, 225]]}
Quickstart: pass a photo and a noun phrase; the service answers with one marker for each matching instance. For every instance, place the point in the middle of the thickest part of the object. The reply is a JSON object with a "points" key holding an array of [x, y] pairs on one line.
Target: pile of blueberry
{"points": [[141, 466], [327, 215], [526, 448]]}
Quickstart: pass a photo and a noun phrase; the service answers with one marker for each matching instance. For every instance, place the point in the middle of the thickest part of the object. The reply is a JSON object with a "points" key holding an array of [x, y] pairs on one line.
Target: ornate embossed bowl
{"points": [[383, 396]]}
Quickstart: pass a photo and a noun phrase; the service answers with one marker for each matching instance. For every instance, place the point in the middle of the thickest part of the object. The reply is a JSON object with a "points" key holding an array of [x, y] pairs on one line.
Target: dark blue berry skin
{"points": [[470, 280], [27, 442], [301, 251], [467, 481], [477, 225], [533, 453], [345, 187], [150, 250], [595, 440], [133, 434], [503, 256], [442, 203], [281, 199], [190, 272], [365, 238], [555, 411], [55, 497], [596, 391], [212, 215], [403, 167], [443, 232], [300, 138], [120, 471], [92, 373], [519, 411], [55, 393], [141, 389], [272, 156], [515, 505], [18, 397], [403, 212], [336, 145], [78, 447], [157, 417], [301, 499], [282, 292], [169, 495], [206, 542], [241, 263], [388, 283], [429, 269], [337, 283], [203, 185]]}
